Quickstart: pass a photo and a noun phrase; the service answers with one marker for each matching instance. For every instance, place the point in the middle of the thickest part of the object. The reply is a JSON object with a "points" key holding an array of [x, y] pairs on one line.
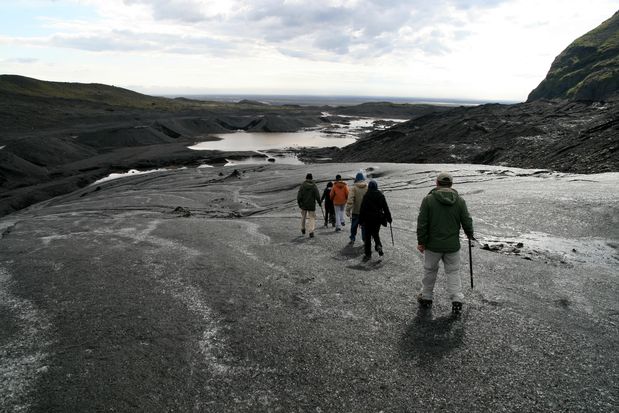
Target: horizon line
{"points": [[367, 98]]}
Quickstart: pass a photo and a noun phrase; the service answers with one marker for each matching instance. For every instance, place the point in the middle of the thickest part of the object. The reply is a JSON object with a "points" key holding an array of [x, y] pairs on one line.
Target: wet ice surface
{"points": [[197, 285], [133, 172], [279, 156], [588, 250], [546, 215]]}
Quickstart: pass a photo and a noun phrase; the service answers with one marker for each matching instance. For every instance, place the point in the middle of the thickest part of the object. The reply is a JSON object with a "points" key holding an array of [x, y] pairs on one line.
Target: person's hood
{"points": [[445, 196], [361, 184], [308, 182], [340, 183]]}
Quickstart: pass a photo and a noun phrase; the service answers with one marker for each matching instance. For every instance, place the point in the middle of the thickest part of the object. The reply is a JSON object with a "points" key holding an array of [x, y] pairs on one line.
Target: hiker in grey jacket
{"points": [[441, 215], [307, 197]]}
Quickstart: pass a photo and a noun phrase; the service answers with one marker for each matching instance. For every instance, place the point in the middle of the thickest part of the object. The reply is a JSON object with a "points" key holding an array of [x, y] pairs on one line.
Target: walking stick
{"points": [[391, 229], [471, 262], [323, 212]]}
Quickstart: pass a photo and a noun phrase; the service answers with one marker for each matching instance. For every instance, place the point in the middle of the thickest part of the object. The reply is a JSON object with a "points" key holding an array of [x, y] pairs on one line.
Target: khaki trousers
{"points": [[451, 262], [311, 217]]}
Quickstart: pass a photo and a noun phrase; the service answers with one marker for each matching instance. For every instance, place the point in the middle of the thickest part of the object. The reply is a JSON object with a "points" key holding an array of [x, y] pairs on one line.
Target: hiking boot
{"points": [[456, 307], [338, 229], [343, 224], [303, 231], [311, 235], [351, 242], [366, 258], [380, 250], [423, 303]]}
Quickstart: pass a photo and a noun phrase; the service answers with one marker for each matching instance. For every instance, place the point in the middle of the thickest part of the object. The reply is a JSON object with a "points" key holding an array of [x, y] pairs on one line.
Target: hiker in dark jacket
{"points": [[373, 213], [329, 208], [441, 215], [307, 197]]}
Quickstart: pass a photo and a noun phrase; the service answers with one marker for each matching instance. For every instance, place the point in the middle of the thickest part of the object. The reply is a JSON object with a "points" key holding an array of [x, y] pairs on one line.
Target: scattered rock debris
{"points": [[182, 211]]}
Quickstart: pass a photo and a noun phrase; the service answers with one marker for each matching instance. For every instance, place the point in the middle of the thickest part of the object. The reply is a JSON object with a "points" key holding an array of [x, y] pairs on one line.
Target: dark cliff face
{"points": [[588, 69]]}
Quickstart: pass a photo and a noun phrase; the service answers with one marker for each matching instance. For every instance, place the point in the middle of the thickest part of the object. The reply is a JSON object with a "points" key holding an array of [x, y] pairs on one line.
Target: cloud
{"points": [[346, 29], [450, 48], [299, 54], [130, 41], [469, 4], [333, 42], [189, 11], [328, 30], [100, 43], [21, 60]]}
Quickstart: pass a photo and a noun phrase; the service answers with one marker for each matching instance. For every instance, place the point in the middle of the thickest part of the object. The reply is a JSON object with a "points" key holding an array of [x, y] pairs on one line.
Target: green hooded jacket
{"points": [[308, 195], [441, 215]]}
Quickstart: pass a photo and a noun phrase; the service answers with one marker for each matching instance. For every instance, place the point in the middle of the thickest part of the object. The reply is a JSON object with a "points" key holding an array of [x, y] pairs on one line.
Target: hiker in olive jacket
{"points": [[353, 205], [374, 212], [307, 197], [441, 215]]}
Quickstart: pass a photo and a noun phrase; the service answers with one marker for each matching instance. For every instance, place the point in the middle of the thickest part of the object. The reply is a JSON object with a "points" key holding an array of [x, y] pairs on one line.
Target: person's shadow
{"points": [[427, 339]]}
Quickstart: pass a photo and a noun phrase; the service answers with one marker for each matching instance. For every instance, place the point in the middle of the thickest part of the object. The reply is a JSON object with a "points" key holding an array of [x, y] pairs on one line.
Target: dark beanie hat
{"points": [[309, 176], [372, 184], [329, 184], [338, 177], [359, 177]]}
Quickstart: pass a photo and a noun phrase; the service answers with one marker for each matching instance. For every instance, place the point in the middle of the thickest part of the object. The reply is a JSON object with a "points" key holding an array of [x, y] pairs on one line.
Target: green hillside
{"points": [[588, 69], [92, 92]]}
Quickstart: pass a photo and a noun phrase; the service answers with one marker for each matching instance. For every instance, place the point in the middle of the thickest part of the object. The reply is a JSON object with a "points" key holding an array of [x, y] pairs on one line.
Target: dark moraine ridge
{"points": [[567, 136], [58, 137]]}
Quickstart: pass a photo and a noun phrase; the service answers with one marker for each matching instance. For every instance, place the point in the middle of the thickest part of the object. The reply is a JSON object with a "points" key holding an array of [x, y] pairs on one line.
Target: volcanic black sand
{"points": [[193, 290]]}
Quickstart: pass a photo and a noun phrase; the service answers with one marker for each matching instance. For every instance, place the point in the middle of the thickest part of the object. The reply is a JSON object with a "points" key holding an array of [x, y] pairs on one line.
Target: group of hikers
{"points": [[441, 215]]}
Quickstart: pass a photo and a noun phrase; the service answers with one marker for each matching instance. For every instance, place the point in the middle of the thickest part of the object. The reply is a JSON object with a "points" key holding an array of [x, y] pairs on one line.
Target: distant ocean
{"points": [[308, 100]]}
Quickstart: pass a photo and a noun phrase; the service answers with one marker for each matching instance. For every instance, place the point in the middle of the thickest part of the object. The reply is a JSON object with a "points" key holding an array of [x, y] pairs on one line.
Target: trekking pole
{"points": [[323, 212], [471, 262], [391, 229]]}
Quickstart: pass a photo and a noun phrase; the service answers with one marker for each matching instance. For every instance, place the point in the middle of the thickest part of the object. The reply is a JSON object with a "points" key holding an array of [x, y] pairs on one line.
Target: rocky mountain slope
{"points": [[588, 69]]}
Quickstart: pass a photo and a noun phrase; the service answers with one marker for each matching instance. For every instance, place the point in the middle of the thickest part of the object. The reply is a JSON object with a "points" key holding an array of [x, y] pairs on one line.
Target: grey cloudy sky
{"points": [[468, 49]]}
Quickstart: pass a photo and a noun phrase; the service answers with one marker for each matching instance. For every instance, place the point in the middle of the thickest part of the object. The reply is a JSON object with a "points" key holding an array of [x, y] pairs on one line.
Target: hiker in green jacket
{"points": [[307, 197], [441, 215]]}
